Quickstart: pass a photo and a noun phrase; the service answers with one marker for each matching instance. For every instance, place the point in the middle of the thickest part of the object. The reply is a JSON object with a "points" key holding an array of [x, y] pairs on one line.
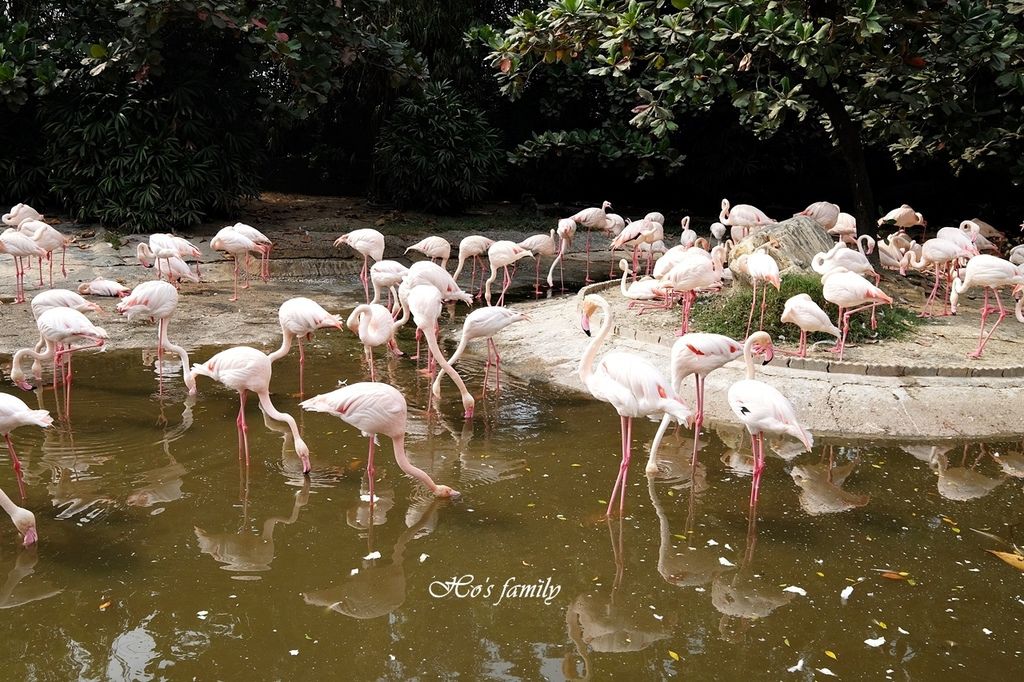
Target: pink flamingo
{"points": [[473, 247], [762, 409], [386, 275], [761, 267], [50, 240], [592, 219], [257, 237], [904, 217], [540, 245], [695, 270], [433, 247], [802, 311], [369, 243], [374, 326], [939, 255], [299, 318], [425, 272], [158, 300], [19, 247], [103, 287], [502, 254], [566, 232], [822, 212], [187, 249], [424, 302], [963, 239], [246, 369], [700, 354], [19, 213], [851, 293], [630, 236], [839, 256], [23, 520], [14, 413], [238, 246], [483, 323], [374, 408], [57, 298], [990, 273], [647, 289], [744, 218], [845, 228], [631, 384], [687, 237]]}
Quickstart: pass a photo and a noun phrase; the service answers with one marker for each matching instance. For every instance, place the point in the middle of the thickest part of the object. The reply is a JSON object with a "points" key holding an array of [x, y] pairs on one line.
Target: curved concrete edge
{"points": [[843, 405]]}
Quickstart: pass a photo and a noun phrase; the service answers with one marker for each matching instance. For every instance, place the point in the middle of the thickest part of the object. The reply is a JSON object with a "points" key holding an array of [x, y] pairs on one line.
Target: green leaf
{"points": [[97, 51]]}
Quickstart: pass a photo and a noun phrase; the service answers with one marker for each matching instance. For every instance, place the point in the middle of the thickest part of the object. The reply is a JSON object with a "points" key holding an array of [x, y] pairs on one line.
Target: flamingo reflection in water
{"points": [[821, 484], [24, 565], [163, 484]]}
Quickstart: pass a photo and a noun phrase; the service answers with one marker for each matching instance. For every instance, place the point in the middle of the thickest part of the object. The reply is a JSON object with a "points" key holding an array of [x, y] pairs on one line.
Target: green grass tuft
{"points": [[727, 314]]}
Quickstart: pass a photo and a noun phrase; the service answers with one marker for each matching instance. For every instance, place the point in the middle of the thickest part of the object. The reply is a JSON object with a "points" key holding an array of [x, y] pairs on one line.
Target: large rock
{"points": [[792, 243]]}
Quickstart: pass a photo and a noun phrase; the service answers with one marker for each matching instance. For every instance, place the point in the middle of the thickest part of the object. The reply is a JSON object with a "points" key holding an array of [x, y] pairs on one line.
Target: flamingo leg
{"points": [[757, 445], [16, 464], [243, 428], [750, 317], [506, 281], [235, 296], [497, 365], [536, 278], [976, 353], [764, 301], [364, 277], [371, 475], [838, 347], [587, 279], [927, 312], [625, 466], [369, 361], [40, 259], [302, 366], [622, 467]]}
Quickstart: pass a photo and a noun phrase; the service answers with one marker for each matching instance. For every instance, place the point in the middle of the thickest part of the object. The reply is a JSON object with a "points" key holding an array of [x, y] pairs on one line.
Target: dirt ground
{"points": [[304, 262]]}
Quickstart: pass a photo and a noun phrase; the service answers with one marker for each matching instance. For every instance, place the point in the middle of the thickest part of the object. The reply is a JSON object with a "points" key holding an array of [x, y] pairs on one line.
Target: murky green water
{"points": [[160, 559]]}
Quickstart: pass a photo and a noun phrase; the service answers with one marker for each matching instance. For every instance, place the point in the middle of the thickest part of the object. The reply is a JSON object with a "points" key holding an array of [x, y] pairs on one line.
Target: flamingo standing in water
{"points": [[502, 254], [375, 326], [851, 293], [19, 247], [592, 219], [103, 287], [50, 240], [369, 243], [424, 302], [566, 231], [14, 413], [802, 311], [540, 245], [473, 247], [373, 408], [433, 247], [990, 273], [299, 318], [631, 384], [743, 218], [938, 254], [237, 245], [23, 520], [158, 300], [386, 275], [483, 323], [246, 369], [257, 237], [762, 268], [700, 354], [762, 409]]}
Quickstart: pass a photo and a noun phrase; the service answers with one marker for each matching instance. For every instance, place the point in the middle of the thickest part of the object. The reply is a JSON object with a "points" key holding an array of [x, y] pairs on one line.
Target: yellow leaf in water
{"points": [[894, 576], [820, 574], [911, 582], [671, 493], [680, 537], [105, 605], [955, 529], [831, 654], [786, 640], [1015, 560], [881, 624], [575, 465], [526, 564], [674, 655]]}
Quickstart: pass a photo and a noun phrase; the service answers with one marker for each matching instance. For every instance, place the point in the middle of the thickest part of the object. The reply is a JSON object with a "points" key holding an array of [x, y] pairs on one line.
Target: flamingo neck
{"points": [[723, 215], [8, 505], [467, 398], [286, 345], [587, 363], [748, 356]]}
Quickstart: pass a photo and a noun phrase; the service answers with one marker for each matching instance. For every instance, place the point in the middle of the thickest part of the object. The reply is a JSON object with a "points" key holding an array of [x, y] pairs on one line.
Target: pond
{"points": [[160, 557]]}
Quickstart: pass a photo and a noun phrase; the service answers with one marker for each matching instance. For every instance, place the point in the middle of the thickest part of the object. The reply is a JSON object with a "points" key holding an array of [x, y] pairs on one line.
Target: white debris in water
{"points": [[202, 614], [391, 657], [728, 547], [423, 557], [725, 562], [796, 590], [372, 555], [699, 589], [712, 543], [657, 617], [826, 671], [293, 652], [902, 631], [796, 668], [875, 642], [986, 631], [353, 571], [845, 594], [158, 510]]}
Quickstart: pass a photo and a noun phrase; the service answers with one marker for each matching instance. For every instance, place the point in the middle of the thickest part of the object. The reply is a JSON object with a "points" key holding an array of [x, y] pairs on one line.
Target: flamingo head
{"points": [[685, 223], [762, 345], [18, 377], [920, 219], [624, 265], [605, 206], [25, 522], [343, 239], [445, 491], [589, 306]]}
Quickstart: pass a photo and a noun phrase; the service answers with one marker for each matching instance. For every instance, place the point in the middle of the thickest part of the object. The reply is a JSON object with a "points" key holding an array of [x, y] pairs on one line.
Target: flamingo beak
{"points": [[31, 537], [585, 324], [768, 355]]}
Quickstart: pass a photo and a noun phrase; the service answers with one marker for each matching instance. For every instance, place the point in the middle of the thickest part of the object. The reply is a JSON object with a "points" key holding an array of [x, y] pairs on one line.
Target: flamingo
{"points": [[631, 384], [58, 298], [103, 287], [369, 243], [237, 245], [700, 354], [762, 409], [745, 217], [646, 289], [844, 228], [656, 216], [472, 247], [261, 239], [540, 245], [187, 249], [433, 247], [802, 311], [246, 369], [432, 274], [592, 218], [158, 300], [178, 269], [375, 326], [839, 256], [502, 254], [630, 235], [718, 231], [299, 318], [889, 255], [960, 237], [386, 274], [23, 520], [851, 293], [904, 217], [687, 237], [1016, 255], [566, 231], [14, 413], [695, 270], [483, 323], [761, 267], [824, 213], [425, 303], [19, 247], [648, 238], [19, 213], [374, 408], [49, 240], [938, 254], [990, 273], [159, 248]]}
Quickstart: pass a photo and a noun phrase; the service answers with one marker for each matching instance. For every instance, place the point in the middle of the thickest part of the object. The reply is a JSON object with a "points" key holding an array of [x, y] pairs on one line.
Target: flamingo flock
{"points": [[630, 383]]}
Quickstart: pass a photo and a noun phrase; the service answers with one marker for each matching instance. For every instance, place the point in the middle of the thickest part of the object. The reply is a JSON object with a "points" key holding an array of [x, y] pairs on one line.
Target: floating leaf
{"points": [[673, 655], [796, 668], [893, 576], [875, 642], [1015, 560], [831, 654], [796, 590], [826, 671], [105, 605]]}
